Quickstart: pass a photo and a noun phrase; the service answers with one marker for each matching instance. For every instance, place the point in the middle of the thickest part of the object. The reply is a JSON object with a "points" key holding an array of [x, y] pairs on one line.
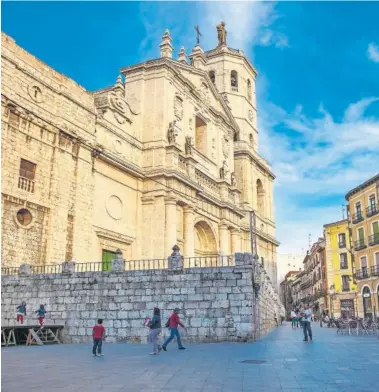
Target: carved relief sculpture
{"points": [[189, 145], [221, 34], [172, 132], [178, 107]]}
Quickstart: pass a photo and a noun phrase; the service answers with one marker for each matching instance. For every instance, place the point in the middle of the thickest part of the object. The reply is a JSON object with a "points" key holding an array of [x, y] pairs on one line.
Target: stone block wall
{"points": [[216, 302]]}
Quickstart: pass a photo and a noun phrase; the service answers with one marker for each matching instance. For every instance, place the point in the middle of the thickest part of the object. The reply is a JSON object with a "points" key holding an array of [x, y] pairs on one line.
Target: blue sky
{"points": [[318, 83]]}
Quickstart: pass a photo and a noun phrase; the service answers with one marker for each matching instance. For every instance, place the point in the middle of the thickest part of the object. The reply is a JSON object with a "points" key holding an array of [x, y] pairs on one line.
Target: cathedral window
{"points": [[260, 197], [248, 89], [212, 76], [234, 80], [200, 135], [251, 140]]}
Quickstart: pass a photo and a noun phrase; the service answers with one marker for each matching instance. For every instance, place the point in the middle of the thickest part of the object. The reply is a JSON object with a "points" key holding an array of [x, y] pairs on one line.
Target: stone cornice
{"points": [[112, 235]]}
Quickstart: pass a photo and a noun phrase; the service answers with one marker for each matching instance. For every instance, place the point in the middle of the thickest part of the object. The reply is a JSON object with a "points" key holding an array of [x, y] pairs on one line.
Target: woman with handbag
{"points": [[155, 329]]}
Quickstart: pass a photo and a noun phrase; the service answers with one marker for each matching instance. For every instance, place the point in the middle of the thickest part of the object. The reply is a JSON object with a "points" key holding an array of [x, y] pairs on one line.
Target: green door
{"points": [[107, 257]]}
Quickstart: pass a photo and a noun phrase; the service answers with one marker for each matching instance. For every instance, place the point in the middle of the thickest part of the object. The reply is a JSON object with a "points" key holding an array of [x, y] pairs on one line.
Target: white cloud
{"points": [[318, 159], [373, 52]]}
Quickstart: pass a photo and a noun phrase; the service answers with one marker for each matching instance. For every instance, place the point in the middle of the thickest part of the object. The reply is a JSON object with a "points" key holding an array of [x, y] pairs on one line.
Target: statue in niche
{"points": [[221, 34], [224, 170], [189, 145], [233, 179], [172, 133]]}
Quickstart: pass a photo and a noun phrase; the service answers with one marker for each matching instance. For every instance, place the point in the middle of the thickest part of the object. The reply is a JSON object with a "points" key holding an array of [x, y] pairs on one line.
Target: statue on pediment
{"points": [[221, 34], [224, 170], [233, 179]]}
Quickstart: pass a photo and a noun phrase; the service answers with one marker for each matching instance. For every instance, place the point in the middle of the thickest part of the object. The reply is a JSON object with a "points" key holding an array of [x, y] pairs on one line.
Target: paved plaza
{"points": [[329, 363]]}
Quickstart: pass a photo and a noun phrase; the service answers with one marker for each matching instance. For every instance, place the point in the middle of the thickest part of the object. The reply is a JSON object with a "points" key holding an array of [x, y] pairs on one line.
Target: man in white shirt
{"points": [[307, 317]]}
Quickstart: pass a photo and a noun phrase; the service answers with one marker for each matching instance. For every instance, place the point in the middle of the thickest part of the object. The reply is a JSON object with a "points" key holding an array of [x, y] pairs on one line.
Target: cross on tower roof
{"points": [[198, 34]]}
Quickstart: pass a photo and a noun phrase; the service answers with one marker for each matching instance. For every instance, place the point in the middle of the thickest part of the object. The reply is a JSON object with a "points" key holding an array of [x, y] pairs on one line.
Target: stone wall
{"points": [[216, 302]]}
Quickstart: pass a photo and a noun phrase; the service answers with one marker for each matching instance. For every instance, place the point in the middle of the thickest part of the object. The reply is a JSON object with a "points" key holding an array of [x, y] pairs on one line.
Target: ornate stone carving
{"points": [[221, 34], [189, 145], [178, 107], [25, 270], [68, 267], [35, 93], [204, 93], [172, 132], [175, 261], [117, 264], [213, 148]]}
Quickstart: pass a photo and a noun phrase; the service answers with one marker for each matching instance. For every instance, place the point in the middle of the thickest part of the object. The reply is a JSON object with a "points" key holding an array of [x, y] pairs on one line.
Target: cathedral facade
{"points": [[167, 155]]}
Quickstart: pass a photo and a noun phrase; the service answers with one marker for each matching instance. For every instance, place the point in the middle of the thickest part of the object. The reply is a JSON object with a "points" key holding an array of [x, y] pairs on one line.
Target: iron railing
{"points": [[129, 265], [375, 270], [372, 210], [373, 239], [342, 244], [362, 273], [357, 217], [359, 244]]}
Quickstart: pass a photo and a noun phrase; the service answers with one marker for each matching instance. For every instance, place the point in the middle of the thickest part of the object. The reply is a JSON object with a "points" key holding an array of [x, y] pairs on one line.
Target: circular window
{"points": [[114, 207], [24, 217]]}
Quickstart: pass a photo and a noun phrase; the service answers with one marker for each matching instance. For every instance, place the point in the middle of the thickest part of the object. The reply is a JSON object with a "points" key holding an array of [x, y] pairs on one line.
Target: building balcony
{"points": [[358, 217], [344, 266], [373, 239], [372, 210], [359, 245], [345, 288], [342, 244], [26, 184], [362, 274], [375, 270]]}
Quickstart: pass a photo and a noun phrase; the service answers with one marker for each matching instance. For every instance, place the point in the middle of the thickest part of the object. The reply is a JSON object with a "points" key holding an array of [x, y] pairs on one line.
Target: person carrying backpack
{"points": [[173, 324]]}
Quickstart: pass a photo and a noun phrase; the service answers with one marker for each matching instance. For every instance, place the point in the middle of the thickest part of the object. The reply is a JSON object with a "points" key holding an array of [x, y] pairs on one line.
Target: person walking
{"points": [[41, 314], [293, 318], [98, 334], [307, 317], [173, 324], [155, 329]]}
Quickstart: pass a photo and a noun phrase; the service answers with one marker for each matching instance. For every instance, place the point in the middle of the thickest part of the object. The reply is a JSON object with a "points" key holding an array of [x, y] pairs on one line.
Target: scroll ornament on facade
{"points": [[178, 108], [225, 147]]}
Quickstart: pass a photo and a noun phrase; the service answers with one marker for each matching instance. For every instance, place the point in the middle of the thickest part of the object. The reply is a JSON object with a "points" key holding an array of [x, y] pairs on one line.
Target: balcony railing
{"points": [[358, 217], [360, 244], [372, 210], [373, 239], [342, 244], [362, 273], [345, 288], [375, 270], [26, 184], [344, 265]]}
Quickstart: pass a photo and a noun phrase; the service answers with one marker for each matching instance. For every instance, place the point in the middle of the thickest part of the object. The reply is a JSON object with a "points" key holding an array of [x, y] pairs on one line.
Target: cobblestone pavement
{"points": [[329, 363]]}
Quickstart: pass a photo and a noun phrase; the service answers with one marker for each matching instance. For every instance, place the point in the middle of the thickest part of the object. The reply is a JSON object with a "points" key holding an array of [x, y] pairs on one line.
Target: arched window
{"points": [[260, 197], [212, 76], [234, 80], [248, 89], [235, 137], [251, 140], [200, 135]]}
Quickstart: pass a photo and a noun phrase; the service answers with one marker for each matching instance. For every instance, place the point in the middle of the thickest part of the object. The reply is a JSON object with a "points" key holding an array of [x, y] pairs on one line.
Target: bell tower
{"points": [[234, 77]]}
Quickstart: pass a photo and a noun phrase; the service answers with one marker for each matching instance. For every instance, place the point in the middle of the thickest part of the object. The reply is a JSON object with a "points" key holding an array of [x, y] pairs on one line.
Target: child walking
{"points": [[41, 312], [98, 335], [21, 312]]}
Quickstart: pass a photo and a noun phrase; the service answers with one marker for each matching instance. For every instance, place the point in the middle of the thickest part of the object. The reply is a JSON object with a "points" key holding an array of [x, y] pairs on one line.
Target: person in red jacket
{"points": [[174, 322], [98, 335]]}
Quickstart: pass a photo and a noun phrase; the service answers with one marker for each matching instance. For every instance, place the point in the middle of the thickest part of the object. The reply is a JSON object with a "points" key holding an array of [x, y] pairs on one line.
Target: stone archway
{"points": [[205, 241]]}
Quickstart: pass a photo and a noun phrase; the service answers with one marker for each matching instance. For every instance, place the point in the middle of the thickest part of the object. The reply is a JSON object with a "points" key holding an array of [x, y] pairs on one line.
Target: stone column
{"points": [[236, 241], [224, 240], [189, 231], [170, 226]]}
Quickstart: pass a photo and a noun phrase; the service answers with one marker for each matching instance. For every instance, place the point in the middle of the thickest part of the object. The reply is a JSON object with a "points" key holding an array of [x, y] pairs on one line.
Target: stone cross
{"points": [[198, 34]]}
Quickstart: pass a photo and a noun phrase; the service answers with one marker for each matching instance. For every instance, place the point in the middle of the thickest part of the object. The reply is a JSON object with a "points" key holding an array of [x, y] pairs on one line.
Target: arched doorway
{"points": [[205, 241], [367, 303]]}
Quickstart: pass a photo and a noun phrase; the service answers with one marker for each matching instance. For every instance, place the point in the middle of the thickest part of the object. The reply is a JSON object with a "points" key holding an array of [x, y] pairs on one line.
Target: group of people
{"points": [[155, 328], [21, 314], [302, 318]]}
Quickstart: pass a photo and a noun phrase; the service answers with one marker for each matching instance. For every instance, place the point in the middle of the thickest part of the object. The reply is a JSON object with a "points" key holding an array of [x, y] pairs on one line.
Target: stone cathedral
{"points": [[167, 155]]}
